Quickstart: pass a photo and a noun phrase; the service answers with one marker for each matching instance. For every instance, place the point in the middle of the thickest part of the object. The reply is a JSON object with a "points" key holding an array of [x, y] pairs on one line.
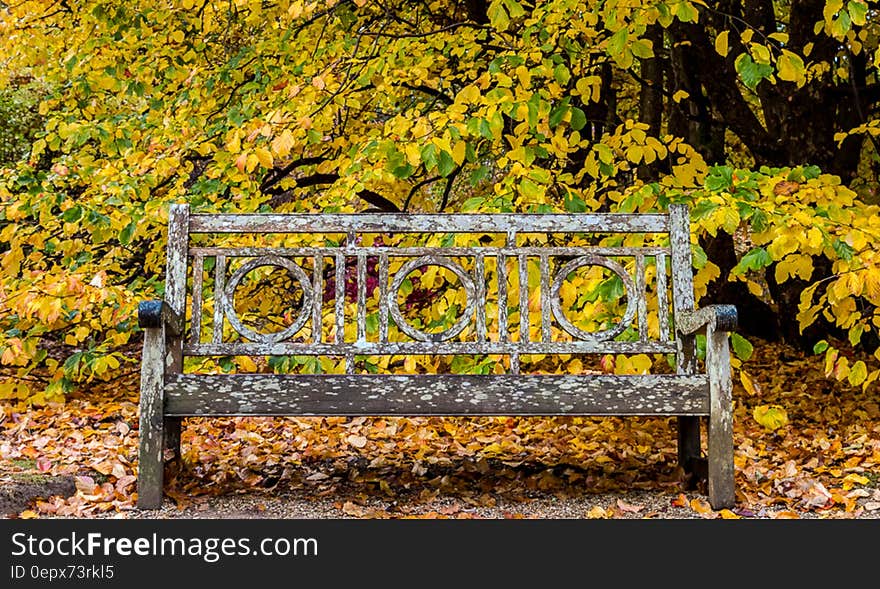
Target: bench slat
{"points": [[430, 223], [447, 347], [433, 394]]}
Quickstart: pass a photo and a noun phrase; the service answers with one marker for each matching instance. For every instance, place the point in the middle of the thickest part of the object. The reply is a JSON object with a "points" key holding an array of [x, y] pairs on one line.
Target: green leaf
{"points": [[741, 346], [684, 11], [73, 214], [700, 259], [820, 347], [478, 175], [473, 204], [578, 119], [404, 171], [561, 74], [843, 250], [642, 48], [720, 178], [530, 190], [617, 42], [857, 12], [445, 163], [574, 204], [751, 73], [514, 8], [755, 259], [429, 156], [127, 232], [557, 115]]}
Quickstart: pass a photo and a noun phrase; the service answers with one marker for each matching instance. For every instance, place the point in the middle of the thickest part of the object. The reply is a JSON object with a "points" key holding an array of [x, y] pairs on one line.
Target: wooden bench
{"points": [[177, 327]]}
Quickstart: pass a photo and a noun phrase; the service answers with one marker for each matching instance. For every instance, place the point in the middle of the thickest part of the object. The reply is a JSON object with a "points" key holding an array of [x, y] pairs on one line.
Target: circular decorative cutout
{"points": [[229, 299], [394, 306], [556, 300]]}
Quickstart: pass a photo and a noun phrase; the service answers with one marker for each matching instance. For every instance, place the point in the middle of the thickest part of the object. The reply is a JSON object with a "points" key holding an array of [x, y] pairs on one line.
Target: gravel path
{"points": [[632, 505]]}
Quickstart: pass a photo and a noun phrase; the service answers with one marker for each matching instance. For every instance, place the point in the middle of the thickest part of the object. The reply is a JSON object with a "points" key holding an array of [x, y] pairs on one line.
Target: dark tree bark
{"points": [[651, 94]]}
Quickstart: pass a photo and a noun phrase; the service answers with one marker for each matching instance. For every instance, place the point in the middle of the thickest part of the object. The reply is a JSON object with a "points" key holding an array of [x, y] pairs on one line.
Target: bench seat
{"points": [[189, 395]]}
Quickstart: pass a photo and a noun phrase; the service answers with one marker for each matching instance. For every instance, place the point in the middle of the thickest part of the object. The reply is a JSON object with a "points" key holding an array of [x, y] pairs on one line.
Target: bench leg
{"points": [[152, 443], [173, 426], [721, 469], [688, 443]]}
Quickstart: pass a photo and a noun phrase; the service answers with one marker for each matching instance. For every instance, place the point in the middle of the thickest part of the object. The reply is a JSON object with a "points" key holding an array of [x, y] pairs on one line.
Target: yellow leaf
{"points": [[28, 514], [679, 96], [748, 384], [721, 44], [282, 144], [857, 374], [458, 152], [814, 238], [727, 514], [640, 364], [771, 417], [791, 68], [872, 284], [597, 512], [264, 157], [246, 364], [855, 479]]}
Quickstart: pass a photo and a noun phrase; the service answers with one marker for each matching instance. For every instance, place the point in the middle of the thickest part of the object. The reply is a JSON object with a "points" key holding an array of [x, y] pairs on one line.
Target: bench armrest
{"points": [[720, 317], [157, 313]]}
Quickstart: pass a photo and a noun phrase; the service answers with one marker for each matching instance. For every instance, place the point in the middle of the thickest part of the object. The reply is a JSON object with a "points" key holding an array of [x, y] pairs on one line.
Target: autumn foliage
{"points": [[440, 106]]}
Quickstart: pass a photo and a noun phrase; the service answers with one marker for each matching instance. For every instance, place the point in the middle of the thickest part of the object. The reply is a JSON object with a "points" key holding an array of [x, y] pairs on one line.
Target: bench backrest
{"points": [[319, 272]]}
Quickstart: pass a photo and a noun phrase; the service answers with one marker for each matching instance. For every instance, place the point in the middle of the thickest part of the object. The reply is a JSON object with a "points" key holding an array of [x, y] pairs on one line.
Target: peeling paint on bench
{"points": [[167, 395]]}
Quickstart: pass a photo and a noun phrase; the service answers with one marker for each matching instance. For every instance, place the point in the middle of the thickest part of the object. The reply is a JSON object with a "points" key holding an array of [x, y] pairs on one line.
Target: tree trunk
{"points": [[651, 96]]}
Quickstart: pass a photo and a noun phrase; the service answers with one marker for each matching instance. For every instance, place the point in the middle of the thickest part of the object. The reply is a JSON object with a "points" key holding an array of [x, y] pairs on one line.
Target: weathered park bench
{"points": [[168, 393]]}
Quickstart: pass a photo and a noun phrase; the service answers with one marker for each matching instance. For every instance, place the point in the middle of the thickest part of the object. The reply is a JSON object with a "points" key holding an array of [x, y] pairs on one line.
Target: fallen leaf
{"points": [[357, 441], [772, 417], [623, 506], [701, 507], [786, 515], [680, 501], [118, 470], [85, 485], [353, 509]]}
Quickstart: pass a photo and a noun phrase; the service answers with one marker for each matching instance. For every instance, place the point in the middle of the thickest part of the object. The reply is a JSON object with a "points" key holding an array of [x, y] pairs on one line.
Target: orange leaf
{"points": [[701, 507], [786, 515]]}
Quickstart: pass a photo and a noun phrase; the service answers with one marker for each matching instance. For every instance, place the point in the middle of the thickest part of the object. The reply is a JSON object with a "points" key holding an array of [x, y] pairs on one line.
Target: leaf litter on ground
{"points": [[823, 462]]}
